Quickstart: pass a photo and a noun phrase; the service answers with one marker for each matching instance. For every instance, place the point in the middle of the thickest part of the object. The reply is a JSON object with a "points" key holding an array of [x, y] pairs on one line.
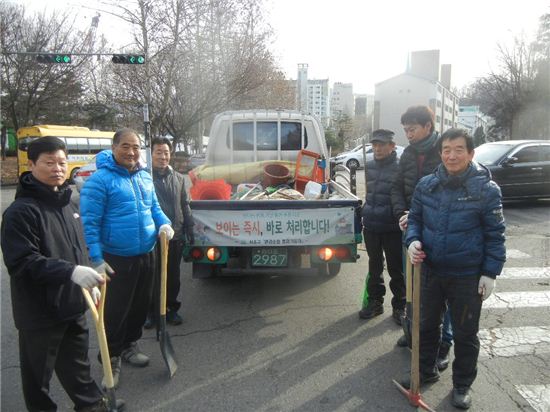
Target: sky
{"points": [[364, 42]]}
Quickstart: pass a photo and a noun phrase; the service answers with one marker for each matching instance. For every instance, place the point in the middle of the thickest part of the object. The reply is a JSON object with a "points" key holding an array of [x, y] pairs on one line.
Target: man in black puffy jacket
{"points": [[381, 230], [45, 254], [172, 197], [419, 159]]}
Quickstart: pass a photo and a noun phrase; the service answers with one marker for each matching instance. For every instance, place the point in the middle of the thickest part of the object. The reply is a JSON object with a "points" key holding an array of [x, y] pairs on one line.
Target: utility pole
{"points": [[147, 133]]}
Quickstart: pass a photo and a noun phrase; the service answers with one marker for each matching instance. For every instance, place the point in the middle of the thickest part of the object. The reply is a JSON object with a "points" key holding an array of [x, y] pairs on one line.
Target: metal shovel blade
{"points": [[166, 347]]}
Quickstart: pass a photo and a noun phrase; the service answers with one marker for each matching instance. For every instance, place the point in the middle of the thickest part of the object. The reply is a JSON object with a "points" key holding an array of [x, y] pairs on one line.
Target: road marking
{"points": [[525, 273], [508, 342], [510, 300], [538, 396], [516, 254]]}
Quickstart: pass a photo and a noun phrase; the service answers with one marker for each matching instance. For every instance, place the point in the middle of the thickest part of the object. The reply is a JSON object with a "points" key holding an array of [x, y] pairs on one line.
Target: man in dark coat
{"points": [[45, 253], [381, 230], [419, 159], [172, 197], [456, 228]]}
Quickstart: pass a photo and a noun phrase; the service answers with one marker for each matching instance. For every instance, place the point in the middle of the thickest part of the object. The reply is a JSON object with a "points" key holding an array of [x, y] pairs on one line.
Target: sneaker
{"points": [[424, 379], [442, 360], [116, 364], [403, 342], [461, 397], [173, 318], [102, 406], [134, 356], [373, 308], [397, 315], [149, 322]]}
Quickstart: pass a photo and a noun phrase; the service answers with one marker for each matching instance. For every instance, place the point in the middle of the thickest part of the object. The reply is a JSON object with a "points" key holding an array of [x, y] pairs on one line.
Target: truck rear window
{"points": [[266, 135]]}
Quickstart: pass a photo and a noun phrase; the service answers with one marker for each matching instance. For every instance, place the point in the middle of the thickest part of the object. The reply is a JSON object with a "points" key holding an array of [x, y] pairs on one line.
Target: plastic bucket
{"points": [[275, 175], [210, 190]]}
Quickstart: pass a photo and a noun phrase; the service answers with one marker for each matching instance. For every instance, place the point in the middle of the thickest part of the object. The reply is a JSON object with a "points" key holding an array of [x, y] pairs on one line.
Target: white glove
{"points": [[403, 221], [416, 254], [86, 277], [168, 230], [96, 295], [486, 286]]}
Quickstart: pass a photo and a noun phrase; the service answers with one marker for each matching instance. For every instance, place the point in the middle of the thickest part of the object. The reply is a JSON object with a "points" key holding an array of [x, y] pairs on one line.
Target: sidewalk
{"points": [[9, 170]]}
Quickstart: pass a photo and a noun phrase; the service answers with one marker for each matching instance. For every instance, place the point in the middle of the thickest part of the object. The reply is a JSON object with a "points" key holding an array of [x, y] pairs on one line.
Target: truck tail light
{"points": [[196, 253], [325, 253], [342, 253], [213, 253]]}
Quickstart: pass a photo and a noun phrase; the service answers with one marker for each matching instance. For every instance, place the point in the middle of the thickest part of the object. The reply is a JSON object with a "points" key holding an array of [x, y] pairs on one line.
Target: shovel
{"points": [[165, 344], [406, 320], [97, 314], [413, 394]]}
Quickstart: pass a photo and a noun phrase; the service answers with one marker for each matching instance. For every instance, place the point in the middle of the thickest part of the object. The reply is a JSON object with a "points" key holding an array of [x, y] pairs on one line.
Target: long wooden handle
{"points": [[415, 356], [408, 276], [163, 271], [97, 314]]}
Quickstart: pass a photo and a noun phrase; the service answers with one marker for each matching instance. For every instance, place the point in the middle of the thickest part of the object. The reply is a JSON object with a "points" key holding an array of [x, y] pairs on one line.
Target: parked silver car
{"points": [[354, 158]]}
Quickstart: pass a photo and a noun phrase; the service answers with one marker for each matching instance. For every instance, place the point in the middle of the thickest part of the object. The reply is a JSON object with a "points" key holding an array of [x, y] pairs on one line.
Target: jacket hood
{"points": [[105, 159], [29, 186]]}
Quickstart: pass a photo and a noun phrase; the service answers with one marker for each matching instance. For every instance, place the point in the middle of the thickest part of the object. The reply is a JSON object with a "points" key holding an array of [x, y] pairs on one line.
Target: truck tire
{"points": [[329, 269], [204, 271]]}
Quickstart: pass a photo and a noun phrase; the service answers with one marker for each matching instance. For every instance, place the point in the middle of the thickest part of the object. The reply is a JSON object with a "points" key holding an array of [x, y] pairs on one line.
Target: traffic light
{"points": [[54, 58], [128, 59]]}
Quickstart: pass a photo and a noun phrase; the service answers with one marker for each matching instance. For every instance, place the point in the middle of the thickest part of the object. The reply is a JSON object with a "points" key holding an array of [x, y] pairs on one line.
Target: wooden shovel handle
{"points": [[415, 356], [97, 314], [163, 271]]}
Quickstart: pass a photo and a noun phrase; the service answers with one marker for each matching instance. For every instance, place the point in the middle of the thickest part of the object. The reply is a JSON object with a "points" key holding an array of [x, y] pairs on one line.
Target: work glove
{"points": [[96, 295], [188, 234], [86, 277], [486, 286], [403, 221], [416, 254], [102, 267], [168, 230]]}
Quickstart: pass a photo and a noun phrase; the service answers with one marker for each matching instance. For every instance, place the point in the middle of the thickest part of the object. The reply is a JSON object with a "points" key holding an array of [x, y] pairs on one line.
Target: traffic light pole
{"points": [[147, 133]]}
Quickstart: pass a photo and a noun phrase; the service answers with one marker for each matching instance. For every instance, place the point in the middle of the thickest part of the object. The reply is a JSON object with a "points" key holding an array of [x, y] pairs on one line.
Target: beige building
{"points": [[425, 82]]}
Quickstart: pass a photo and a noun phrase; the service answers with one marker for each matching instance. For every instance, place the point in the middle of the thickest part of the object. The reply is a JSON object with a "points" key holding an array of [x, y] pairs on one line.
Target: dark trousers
{"points": [[128, 297], [461, 294], [378, 245], [62, 348]]}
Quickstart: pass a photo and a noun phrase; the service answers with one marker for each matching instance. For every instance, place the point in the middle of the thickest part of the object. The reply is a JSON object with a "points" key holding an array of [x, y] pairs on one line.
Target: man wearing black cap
{"points": [[381, 230]]}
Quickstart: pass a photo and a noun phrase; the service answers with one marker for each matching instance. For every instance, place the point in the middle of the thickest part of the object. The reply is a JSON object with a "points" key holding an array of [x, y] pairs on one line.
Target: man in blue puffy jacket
{"points": [[456, 228], [122, 219], [381, 230]]}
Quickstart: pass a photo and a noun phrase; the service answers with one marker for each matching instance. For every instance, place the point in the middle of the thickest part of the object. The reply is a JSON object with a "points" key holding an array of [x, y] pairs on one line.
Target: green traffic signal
{"points": [[54, 58], [128, 59]]}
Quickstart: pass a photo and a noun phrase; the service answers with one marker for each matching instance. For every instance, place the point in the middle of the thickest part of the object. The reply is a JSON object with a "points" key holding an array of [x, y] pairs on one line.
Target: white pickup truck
{"points": [[253, 233]]}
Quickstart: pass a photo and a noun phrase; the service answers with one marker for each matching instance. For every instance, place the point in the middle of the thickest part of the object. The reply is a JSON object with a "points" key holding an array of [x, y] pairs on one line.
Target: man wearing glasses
{"points": [[420, 158]]}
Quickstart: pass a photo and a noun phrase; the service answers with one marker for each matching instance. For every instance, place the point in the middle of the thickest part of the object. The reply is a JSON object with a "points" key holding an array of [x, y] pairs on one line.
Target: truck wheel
{"points": [[203, 271], [329, 269]]}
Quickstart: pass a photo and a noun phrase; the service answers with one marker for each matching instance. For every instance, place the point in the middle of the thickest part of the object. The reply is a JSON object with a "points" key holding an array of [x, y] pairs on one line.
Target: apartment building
{"points": [[342, 101], [312, 95]]}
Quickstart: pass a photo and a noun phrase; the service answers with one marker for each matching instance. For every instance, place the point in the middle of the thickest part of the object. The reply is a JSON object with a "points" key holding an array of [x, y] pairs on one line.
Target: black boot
{"points": [[461, 397], [442, 360], [373, 308]]}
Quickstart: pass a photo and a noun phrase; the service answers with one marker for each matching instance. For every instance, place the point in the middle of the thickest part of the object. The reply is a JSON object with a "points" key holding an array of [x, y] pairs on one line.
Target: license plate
{"points": [[271, 257]]}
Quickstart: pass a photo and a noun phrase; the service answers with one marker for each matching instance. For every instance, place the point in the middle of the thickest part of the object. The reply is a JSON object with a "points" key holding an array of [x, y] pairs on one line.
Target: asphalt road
{"points": [[296, 343]]}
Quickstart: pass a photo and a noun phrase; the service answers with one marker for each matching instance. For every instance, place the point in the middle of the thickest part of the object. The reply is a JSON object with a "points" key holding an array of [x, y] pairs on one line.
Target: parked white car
{"points": [[354, 158], [88, 169]]}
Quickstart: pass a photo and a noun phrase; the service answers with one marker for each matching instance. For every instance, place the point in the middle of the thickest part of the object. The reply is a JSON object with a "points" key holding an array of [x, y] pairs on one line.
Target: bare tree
{"points": [[32, 92]]}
